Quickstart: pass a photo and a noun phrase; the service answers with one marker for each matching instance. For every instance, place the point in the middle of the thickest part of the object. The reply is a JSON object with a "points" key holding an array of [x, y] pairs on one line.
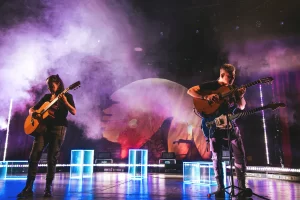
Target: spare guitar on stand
{"points": [[35, 125]]}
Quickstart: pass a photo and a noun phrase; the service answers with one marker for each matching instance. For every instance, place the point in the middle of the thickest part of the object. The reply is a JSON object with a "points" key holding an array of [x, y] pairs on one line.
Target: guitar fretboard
{"points": [[245, 113], [251, 84], [53, 102], [246, 86]]}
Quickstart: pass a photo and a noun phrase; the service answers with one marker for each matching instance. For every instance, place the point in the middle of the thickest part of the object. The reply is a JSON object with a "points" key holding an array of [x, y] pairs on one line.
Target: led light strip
{"points": [[274, 169], [264, 124], [270, 169], [84, 165], [249, 168], [7, 130]]}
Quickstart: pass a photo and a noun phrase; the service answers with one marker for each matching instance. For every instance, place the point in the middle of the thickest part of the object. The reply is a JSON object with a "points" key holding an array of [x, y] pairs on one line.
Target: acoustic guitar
{"points": [[210, 107], [33, 125]]}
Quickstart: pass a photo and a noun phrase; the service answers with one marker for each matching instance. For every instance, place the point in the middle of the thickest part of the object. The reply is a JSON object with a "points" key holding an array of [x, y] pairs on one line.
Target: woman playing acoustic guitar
{"points": [[52, 136]]}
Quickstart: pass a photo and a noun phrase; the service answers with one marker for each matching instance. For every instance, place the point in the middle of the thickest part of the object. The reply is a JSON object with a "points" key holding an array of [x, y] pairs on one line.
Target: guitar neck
{"points": [[250, 84], [245, 86], [54, 101], [245, 113]]}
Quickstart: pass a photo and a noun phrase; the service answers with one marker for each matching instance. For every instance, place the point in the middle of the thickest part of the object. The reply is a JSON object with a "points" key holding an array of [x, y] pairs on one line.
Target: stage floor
{"points": [[116, 185]]}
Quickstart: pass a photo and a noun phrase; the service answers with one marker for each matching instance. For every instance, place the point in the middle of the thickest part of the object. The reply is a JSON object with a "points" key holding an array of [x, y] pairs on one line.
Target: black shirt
{"points": [[60, 113], [226, 107]]}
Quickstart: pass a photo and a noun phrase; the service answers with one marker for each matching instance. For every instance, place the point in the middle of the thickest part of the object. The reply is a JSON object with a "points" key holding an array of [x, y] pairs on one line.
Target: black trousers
{"points": [[53, 137], [238, 151]]}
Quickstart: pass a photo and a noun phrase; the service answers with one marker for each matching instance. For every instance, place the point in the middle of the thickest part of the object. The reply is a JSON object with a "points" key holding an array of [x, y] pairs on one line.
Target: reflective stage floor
{"points": [[116, 185]]}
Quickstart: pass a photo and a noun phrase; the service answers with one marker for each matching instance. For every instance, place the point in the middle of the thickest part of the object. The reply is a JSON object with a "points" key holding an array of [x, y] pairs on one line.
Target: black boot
{"points": [[48, 189], [27, 191], [220, 193], [241, 179]]}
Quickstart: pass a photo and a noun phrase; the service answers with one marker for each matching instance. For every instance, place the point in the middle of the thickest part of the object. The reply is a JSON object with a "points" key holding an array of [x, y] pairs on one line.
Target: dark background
{"points": [[190, 44]]}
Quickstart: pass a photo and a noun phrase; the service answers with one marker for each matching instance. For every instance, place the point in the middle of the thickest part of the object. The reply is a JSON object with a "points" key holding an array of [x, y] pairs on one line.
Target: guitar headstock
{"points": [[75, 85], [267, 80], [274, 106]]}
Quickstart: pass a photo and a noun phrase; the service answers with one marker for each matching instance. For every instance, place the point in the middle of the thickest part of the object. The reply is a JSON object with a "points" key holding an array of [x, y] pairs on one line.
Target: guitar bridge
{"points": [[219, 121]]}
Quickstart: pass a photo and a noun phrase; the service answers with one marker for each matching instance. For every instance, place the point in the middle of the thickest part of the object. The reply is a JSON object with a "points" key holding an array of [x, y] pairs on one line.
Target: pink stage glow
{"points": [[141, 109]]}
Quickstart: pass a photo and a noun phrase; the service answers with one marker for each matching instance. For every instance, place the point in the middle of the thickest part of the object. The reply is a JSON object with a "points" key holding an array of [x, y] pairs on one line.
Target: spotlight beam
{"points": [[7, 130]]}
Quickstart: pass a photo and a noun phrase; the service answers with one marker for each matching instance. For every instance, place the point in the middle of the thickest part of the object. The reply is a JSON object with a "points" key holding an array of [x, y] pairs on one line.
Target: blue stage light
{"points": [[138, 163]]}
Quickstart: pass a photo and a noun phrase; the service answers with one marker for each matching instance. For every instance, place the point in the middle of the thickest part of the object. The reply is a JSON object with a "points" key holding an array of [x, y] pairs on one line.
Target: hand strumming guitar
{"points": [[212, 97], [36, 115]]}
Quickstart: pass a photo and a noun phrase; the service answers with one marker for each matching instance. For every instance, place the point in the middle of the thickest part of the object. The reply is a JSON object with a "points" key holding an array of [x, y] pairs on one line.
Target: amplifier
{"points": [[167, 161], [103, 161]]}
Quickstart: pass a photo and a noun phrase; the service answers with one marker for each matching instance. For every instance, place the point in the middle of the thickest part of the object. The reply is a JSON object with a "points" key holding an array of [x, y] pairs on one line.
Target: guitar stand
{"points": [[243, 193]]}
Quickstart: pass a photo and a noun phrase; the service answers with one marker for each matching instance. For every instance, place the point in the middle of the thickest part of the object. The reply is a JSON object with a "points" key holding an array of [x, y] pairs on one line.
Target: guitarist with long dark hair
{"points": [[218, 138], [53, 134]]}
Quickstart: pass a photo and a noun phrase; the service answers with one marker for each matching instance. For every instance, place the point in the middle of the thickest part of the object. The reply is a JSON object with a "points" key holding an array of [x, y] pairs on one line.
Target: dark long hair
{"points": [[56, 79]]}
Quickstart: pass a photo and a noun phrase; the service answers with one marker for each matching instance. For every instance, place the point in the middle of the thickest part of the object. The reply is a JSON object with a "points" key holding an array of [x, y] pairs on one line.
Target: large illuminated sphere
{"points": [[140, 109]]}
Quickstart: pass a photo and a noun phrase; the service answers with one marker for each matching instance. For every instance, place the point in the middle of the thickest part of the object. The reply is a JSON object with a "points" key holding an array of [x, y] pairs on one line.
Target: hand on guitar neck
{"points": [[63, 98], [215, 97], [241, 92]]}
